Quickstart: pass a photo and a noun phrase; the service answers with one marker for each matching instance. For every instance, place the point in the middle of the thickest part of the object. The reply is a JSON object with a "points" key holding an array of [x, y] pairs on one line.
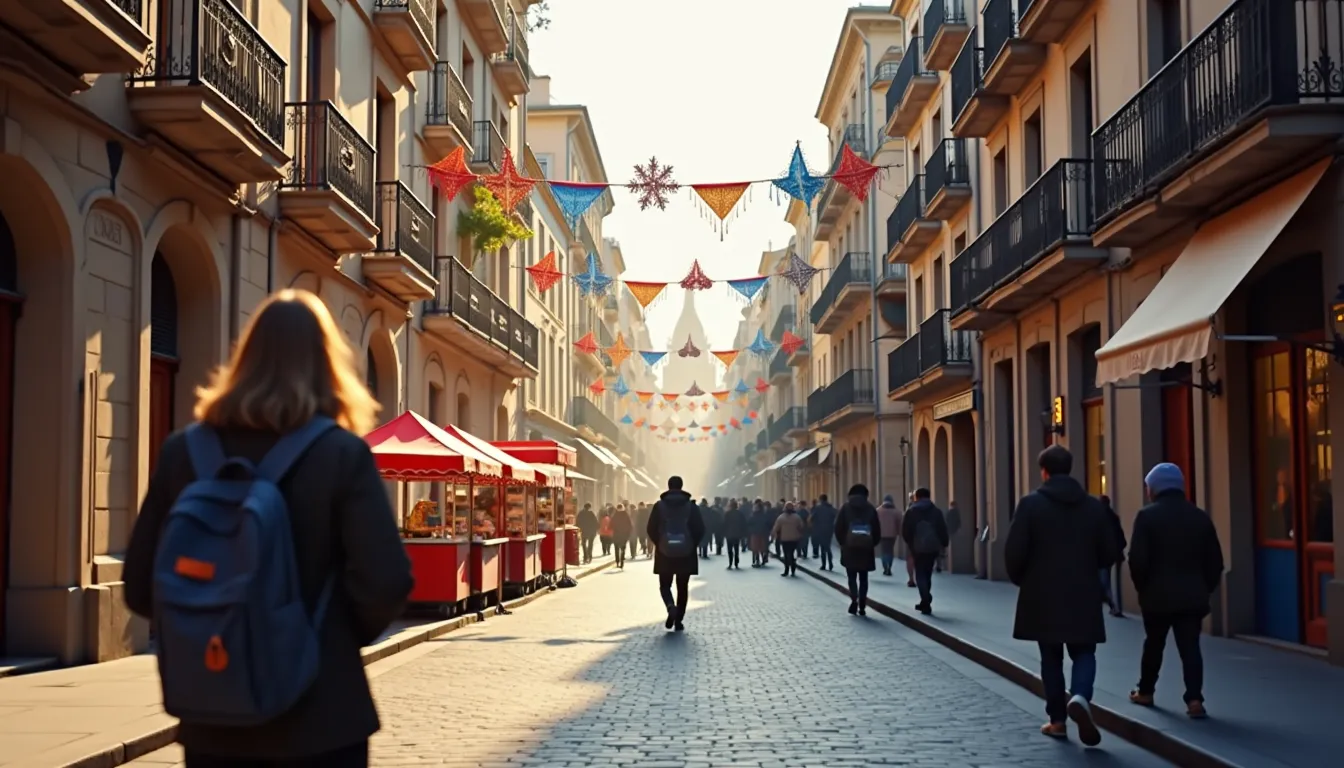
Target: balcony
{"points": [[468, 314], [1010, 61], [792, 423], [1047, 21], [786, 321], [934, 362], [945, 30], [975, 112], [407, 27], [910, 91], [779, 368], [1039, 244], [488, 156], [762, 440], [834, 196], [586, 415], [524, 211], [893, 280], [803, 355], [849, 287], [216, 92], [611, 307], [489, 19], [909, 230], [329, 191], [947, 180], [448, 123], [749, 452], [510, 65], [1252, 99], [402, 262], [87, 37], [846, 401], [885, 72]]}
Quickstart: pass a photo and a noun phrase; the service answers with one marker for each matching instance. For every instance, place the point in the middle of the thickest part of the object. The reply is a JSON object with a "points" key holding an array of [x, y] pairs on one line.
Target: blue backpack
{"points": [[235, 643]]}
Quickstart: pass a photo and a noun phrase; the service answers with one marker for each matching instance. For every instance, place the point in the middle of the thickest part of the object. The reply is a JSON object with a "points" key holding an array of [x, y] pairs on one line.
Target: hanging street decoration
{"points": [[620, 387], [626, 419], [727, 356], [721, 198], [575, 198], [644, 397], [695, 280], [741, 387], [451, 174], [544, 273], [800, 183], [653, 183], [855, 173], [618, 351], [689, 350], [652, 358], [593, 281], [722, 397], [791, 343], [748, 287], [695, 390], [761, 346], [597, 387], [588, 344], [644, 292], [507, 185], [799, 272], [762, 385]]}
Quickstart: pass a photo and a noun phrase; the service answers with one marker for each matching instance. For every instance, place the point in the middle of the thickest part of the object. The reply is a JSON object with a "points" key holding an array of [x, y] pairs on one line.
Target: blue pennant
{"points": [[575, 199], [620, 387], [800, 183], [748, 286], [747, 420], [593, 281], [761, 345], [741, 387], [627, 420], [653, 358]]}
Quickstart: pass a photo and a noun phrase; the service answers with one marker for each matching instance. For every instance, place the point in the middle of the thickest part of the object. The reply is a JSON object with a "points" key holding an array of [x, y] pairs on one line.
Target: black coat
{"points": [[1058, 543], [342, 523], [734, 524], [823, 522], [587, 523], [690, 564], [923, 511], [857, 510], [1175, 558], [1117, 532]]}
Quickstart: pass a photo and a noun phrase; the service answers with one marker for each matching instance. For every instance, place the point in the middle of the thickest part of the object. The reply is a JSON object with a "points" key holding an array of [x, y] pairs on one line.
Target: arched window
{"points": [[463, 411], [162, 309], [371, 374]]}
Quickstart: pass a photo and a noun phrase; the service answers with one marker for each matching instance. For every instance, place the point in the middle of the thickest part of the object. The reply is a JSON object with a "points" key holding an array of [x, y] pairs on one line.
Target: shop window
{"points": [[1094, 414]]}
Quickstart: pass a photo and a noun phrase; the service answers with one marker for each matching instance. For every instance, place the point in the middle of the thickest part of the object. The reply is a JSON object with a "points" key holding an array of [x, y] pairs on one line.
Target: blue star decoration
{"points": [[800, 183], [593, 281]]}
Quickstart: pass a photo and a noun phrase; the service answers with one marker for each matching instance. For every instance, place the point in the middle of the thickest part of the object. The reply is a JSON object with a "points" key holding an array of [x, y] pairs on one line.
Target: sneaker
{"points": [[671, 617], [1080, 712], [863, 610], [680, 627], [1055, 730], [1142, 699], [1195, 710]]}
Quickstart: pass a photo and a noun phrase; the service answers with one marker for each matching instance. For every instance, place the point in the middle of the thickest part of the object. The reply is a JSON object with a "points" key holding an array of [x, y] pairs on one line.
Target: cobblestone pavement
{"points": [[770, 672]]}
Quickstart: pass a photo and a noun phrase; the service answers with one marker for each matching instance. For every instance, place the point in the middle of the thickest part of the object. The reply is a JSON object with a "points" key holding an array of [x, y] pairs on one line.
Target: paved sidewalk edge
{"points": [[1147, 737], [158, 738]]}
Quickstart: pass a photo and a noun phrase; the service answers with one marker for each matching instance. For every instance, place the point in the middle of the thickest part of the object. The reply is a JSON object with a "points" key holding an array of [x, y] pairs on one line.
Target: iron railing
{"points": [[942, 12], [209, 42], [406, 226], [779, 364], [856, 268], [461, 295], [851, 388], [903, 364], [525, 211], [421, 11], [1055, 209], [586, 413], [908, 210], [449, 100], [946, 166], [912, 66], [762, 440], [1000, 27], [886, 71], [329, 154], [132, 8], [488, 145], [892, 271], [967, 75], [786, 321], [1257, 55], [792, 419], [516, 51], [939, 345], [852, 138]]}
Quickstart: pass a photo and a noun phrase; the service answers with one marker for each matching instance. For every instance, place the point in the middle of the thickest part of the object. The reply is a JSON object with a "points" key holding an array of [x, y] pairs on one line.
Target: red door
{"points": [[8, 309], [162, 372], [1178, 432]]}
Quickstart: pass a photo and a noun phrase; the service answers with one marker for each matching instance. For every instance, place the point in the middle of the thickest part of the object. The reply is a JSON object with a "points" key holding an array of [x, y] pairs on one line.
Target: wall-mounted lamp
{"points": [[1337, 325], [1052, 418]]}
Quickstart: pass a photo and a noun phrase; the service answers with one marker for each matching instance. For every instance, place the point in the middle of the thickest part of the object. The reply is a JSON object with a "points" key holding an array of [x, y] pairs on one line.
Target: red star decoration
{"points": [[544, 273], [587, 345], [450, 174], [761, 386], [791, 343], [854, 173], [507, 185], [597, 387]]}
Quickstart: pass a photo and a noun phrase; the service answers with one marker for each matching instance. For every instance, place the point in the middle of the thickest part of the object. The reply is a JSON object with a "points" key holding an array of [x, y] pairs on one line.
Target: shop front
{"points": [[555, 505]]}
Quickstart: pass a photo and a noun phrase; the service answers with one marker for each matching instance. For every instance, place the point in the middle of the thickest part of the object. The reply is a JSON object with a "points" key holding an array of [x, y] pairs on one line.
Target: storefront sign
{"points": [[955, 405]]}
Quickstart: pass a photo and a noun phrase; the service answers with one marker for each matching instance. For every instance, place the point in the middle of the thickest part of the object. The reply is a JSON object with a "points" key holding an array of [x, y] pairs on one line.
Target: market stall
{"points": [[555, 508], [436, 531]]}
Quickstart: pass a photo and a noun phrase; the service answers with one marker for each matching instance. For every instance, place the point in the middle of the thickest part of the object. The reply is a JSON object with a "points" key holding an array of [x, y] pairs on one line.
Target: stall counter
{"points": [[524, 559], [555, 550], [440, 569], [486, 565]]}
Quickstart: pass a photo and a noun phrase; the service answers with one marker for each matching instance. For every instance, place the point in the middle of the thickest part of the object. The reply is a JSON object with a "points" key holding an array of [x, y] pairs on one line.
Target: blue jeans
{"points": [[1084, 675]]}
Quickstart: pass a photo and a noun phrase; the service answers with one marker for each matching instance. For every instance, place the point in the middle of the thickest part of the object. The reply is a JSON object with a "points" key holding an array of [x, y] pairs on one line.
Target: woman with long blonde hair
{"points": [[292, 365]]}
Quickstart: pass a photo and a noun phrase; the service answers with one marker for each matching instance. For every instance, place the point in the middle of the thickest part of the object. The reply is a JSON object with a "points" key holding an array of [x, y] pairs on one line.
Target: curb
{"points": [[1142, 735], [139, 746]]}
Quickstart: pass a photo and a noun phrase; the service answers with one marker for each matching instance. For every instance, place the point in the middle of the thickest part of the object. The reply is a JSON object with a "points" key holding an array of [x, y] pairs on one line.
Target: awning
{"points": [[513, 468], [789, 457], [613, 458], [593, 449], [823, 453], [411, 448], [801, 455], [1174, 323], [574, 474], [652, 483], [537, 452]]}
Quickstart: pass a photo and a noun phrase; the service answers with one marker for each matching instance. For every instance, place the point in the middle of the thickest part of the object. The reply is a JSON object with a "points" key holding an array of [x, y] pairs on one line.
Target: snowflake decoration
{"points": [[653, 183]]}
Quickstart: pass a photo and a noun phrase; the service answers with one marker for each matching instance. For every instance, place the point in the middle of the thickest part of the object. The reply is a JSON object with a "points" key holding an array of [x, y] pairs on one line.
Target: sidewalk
{"points": [[103, 715], [1268, 708]]}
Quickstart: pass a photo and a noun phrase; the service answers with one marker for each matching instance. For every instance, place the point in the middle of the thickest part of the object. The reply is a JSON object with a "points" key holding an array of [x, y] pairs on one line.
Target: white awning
{"points": [[576, 475], [652, 483], [801, 455], [615, 460], [1174, 323], [823, 453], [787, 458], [597, 452], [633, 478]]}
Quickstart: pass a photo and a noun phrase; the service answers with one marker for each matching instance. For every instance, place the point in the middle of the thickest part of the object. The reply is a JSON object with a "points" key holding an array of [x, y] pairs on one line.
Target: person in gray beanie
{"points": [[1176, 562]]}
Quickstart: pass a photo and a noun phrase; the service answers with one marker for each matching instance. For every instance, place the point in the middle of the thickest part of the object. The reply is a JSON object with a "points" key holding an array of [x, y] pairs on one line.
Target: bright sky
{"points": [[720, 90]]}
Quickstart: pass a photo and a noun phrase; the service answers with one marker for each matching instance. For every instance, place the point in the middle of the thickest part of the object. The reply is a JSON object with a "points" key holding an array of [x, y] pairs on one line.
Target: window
{"points": [[1094, 414], [313, 86], [385, 141], [1272, 399], [959, 244], [544, 162], [1164, 33], [1000, 182], [1080, 106], [1032, 149], [1040, 392], [919, 299], [938, 291]]}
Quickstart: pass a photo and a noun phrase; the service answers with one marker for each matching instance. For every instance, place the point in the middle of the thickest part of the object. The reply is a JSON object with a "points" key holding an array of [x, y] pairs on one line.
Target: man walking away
{"points": [[889, 518], [676, 530], [858, 531], [823, 532], [1118, 533], [641, 525], [604, 530], [800, 507], [758, 527], [775, 512], [909, 556], [1057, 541], [622, 530], [1177, 563], [734, 531], [953, 517], [713, 517], [719, 510], [925, 533], [587, 523], [790, 531]]}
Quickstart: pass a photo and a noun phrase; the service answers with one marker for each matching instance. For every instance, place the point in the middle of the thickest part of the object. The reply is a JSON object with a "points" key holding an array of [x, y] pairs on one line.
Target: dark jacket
{"points": [[641, 521], [823, 521], [676, 500], [1175, 559], [760, 522], [342, 523], [857, 510], [587, 522], [734, 523], [622, 526], [1117, 532], [923, 511], [713, 518], [1058, 542]]}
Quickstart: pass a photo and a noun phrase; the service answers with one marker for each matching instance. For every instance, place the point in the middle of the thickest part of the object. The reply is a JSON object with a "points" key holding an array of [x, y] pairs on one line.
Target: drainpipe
{"points": [[272, 244], [235, 275], [876, 276]]}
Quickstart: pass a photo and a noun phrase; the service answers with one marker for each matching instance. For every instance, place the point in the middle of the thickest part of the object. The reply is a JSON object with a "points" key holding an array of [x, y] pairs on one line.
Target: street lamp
{"points": [[905, 453]]}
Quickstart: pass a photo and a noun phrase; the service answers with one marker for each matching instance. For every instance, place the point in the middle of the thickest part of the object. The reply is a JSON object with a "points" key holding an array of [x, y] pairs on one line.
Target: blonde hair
{"points": [[291, 364]]}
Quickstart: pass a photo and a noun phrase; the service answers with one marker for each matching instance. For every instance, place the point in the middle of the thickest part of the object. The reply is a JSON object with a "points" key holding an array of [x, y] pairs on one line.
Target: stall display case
{"points": [[487, 544], [522, 562], [555, 509]]}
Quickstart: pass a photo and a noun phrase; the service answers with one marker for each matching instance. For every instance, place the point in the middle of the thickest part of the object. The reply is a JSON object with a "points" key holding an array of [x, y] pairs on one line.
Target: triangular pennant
{"points": [[748, 420], [727, 356], [753, 415], [799, 182], [692, 425], [592, 281], [695, 390], [799, 273], [643, 397], [626, 419], [507, 185], [735, 423], [639, 422], [597, 387], [741, 387], [689, 350], [704, 406], [742, 401], [721, 197], [644, 292], [652, 358], [760, 345], [854, 173], [762, 385], [748, 286], [791, 343], [451, 174], [588, 344], [722, 397], [705, 429], [544, 273], [618, 351], [670, 397], [575, 198], [695, 280], [681, 429]]}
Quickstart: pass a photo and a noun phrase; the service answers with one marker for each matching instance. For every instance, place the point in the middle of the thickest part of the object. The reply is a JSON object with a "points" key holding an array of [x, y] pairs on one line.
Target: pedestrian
{"points": [[587, 523], [790, 531], [890, 520], [712, 518], [1057, 541], [758, 527], [719, 511], [676, 530], [734, 532], [806, 514], [1117, 533], [924, 531], [1176, 562], [909, 556], [290, 402], [953, 516], [604, 530], [641, 522], [775, 512], [622, 530], [858, 530], [823, 532]]}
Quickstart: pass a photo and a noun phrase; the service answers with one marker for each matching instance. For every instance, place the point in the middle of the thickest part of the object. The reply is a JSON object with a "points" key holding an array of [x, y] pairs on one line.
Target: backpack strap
{"points": [[207, 453], [290, 447]]}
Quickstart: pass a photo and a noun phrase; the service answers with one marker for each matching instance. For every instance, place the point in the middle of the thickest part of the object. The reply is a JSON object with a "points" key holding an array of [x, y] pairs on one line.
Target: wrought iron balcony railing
{"points": [[942, 12], [908, 210], [853, 387], [792, 419], [1000, 26], [517, 47], [488, 145], [422, 13], [132, 8], [449, 100], [209, 42], [949, 164], [903, 364], [967, 75], [912, 66], [762, 440], [940, 345], [856, 268], [886, 71], [463, 296], [779, 364], [587, 414], [406, 226], [1057, 208], [329, 154]]}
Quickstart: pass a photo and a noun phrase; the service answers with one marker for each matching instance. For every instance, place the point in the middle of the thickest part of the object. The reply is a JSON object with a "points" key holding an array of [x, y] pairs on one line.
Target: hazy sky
{"points": [[720, 90]]}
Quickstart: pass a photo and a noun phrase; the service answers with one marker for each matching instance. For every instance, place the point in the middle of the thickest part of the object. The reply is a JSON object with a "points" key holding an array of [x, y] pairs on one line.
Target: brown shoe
{"points": [[1195, 710], [1142, 699], [1055, 730]]}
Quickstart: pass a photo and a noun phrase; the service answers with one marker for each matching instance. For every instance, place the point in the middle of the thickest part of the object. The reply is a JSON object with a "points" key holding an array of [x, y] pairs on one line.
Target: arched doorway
{"points": [[381, 370], [923, 460], [163, 359], [463, 421], [941, 459]]}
